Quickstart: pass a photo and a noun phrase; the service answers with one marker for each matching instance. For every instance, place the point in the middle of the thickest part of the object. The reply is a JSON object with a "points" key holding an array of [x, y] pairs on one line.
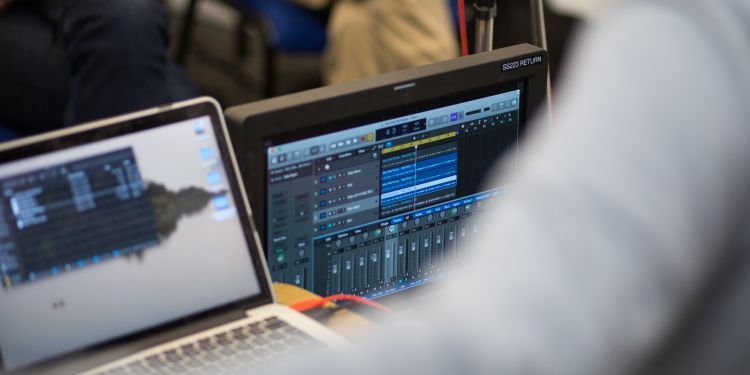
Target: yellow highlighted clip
{"points": [[420, 142]]}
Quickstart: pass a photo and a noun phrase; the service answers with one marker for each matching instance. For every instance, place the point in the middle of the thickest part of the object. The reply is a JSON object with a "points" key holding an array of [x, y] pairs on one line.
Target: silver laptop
{"points": [[127, 246]]}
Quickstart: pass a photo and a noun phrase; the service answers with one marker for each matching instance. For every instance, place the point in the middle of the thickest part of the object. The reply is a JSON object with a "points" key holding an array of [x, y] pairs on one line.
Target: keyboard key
{"points": [[155, 362], [245, 357], [211, 357], [260, 352], [189, 350], [223, 339], [193, 363], [206, 344], [172, 356], [137, 367], [177, 369], [228, 363], [275, 323], [244, 346], [209, 369], [240, 335]]}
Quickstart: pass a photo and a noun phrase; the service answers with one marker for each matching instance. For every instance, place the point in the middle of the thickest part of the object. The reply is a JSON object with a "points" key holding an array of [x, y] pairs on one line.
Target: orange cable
{"points": [[320, 301]]}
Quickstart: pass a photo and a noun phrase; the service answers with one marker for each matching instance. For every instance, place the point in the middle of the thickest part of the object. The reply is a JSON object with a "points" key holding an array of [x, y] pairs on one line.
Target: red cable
{"points": [[317, 302], [462, 28]]}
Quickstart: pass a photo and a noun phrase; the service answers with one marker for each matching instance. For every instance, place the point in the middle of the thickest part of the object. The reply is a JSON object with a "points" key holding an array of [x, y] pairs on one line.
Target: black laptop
{"points": [[375, 186]]}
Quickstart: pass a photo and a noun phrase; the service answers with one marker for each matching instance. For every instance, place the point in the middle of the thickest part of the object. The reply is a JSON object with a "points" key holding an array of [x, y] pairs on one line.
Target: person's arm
{"points": [[624, 207], [619, 214]]}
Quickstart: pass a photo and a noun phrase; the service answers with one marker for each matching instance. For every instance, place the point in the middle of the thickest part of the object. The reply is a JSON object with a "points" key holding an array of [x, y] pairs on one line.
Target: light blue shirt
{"points": [[623, 210]]}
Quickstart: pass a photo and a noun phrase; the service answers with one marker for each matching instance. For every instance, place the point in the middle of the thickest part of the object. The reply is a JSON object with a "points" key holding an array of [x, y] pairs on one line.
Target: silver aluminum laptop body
{"points": [[130, 237]]}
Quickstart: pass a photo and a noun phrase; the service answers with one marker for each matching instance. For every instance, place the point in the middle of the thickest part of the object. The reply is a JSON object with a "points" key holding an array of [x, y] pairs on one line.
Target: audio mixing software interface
{"points": [[388, 205]]}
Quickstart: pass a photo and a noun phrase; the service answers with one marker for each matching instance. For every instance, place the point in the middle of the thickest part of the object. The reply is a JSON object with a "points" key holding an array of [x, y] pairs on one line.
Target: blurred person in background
{"points": [[371, 37], [71, 61], [622, 245]]}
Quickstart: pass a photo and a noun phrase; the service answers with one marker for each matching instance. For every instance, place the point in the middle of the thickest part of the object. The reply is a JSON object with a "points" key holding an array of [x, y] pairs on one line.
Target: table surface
{"points": [[344, 321]]}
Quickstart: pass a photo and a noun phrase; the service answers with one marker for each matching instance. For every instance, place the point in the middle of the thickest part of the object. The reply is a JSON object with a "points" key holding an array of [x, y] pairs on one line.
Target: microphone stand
{"points": [[539, 37], [485, 12], [484, 24], [538, 26]]}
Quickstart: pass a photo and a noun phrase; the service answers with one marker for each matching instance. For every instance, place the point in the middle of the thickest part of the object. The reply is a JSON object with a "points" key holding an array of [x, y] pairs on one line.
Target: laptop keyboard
{"points": [[253, 345]]}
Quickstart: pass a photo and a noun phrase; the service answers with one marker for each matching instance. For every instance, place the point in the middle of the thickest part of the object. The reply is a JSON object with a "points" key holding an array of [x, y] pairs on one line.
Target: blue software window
{"points": [[418, 177]]}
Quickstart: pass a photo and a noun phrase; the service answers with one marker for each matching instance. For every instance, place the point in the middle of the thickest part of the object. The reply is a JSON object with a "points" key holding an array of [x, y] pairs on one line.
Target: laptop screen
{"points": [[372, 207], [111, 237]]}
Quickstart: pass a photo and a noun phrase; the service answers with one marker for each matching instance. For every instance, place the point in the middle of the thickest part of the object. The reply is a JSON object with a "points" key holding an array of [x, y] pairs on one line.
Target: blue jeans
{"points": [[71, 61]]}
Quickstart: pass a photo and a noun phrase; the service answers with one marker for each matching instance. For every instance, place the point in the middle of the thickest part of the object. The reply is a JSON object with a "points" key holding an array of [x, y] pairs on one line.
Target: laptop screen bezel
{"points": [[144, 121]]}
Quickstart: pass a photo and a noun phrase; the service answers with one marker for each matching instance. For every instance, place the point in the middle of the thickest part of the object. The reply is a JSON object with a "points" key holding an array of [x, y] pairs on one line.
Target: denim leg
{"points": [[117, 58]]}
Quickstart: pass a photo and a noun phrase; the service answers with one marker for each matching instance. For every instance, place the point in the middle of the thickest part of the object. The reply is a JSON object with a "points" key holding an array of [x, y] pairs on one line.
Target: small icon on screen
{"points": [[206, 153], [220, 202], [199, 128], [214, 178]]}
